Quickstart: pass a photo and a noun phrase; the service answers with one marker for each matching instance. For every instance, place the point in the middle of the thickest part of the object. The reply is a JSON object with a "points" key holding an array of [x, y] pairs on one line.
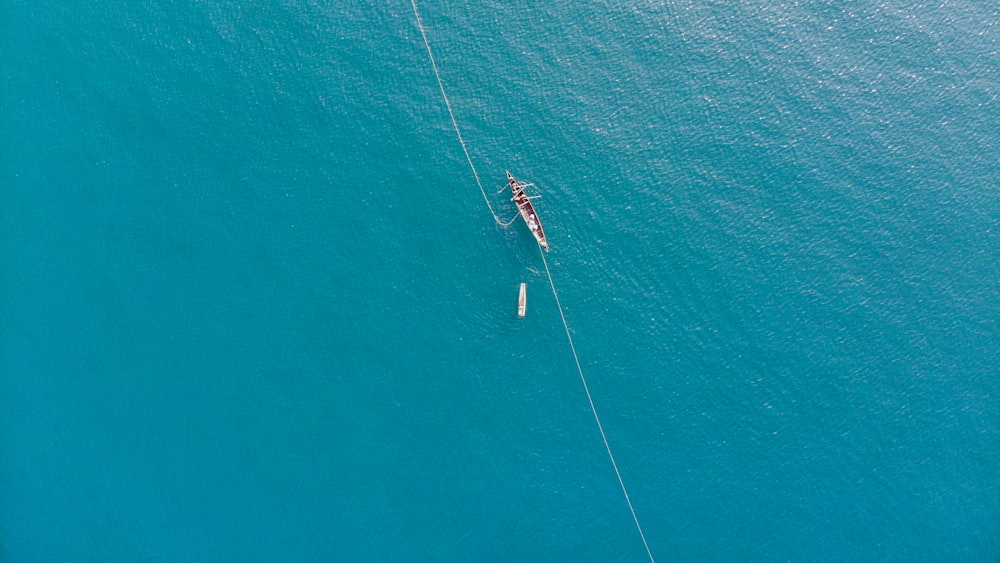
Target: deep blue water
{"points": [[254, 308]]}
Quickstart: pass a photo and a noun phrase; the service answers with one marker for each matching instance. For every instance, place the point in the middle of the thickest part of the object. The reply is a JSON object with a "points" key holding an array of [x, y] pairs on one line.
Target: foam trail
{"points": [[593, 409], [437, 74]]}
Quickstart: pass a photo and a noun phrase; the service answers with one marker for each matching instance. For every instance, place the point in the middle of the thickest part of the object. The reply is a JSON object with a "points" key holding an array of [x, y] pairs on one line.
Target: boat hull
{"points": [[527, 210]]}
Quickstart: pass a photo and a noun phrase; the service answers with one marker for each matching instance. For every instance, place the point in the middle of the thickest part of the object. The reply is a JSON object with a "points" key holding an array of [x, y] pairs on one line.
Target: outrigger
{"points": [[526, 209]]}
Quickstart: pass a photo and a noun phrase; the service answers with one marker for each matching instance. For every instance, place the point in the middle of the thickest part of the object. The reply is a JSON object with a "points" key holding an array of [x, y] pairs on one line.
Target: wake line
{"points": [[562, 315], [437, 74], [593, 409]]}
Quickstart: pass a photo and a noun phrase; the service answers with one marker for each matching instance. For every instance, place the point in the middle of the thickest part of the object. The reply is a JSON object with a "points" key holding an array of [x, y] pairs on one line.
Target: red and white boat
{"points": [[527, 210]]}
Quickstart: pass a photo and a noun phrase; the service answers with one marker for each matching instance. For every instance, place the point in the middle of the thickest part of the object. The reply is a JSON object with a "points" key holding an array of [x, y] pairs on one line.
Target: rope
{"points": [[593, 409], [437, 74], [586, 388]]}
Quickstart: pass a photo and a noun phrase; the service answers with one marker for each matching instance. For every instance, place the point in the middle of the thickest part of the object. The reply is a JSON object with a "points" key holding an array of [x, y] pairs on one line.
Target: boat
{"points": [[527, 210], [522, 300]]}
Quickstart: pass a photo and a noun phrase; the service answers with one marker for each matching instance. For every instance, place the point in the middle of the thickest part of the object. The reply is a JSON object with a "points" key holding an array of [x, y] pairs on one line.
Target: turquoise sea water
{"points": [[254, 308]]}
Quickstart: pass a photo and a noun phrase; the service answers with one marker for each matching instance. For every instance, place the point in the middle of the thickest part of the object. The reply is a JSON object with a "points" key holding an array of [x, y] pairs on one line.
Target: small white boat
{"points": [[522, 300]]}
